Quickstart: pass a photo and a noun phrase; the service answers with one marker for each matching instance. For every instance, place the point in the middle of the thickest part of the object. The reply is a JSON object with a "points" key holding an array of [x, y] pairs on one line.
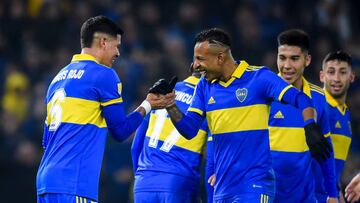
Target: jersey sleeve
{"points": [[274, 86], [198, 102], [109, 87]]}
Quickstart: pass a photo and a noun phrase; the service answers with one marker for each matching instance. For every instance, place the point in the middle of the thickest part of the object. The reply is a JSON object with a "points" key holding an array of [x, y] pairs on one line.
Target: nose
{"points": [[286, 63], [337, 77], [196, 65]]}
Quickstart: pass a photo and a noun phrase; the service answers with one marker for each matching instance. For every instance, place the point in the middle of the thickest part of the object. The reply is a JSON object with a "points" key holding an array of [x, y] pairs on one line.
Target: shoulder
{"points": [[254, 68], [261, 72], [318, 96], [316, 91]]}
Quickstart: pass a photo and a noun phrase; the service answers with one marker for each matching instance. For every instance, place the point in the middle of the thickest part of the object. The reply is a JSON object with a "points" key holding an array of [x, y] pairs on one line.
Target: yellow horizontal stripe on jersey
{"points": [[196, 111], [196, 144], [113, 101], [254, 117], [79, 111], [287, 139], [341, 146]]}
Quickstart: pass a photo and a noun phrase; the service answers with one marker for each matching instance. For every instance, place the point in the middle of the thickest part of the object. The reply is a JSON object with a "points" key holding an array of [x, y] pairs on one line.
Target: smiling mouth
{"points": [[288, 75], [336, 87]]}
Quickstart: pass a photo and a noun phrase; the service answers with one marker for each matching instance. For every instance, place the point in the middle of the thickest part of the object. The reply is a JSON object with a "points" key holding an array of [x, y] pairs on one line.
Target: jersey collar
{"points": [[332, 102], [239, 71], [83, 57], [192, 80], [306, 87]]}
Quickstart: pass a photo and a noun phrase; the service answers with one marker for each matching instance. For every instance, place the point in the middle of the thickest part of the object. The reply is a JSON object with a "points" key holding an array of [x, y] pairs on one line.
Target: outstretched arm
{"points": [[121, 126], [277, 89], [319, 147], [187, 124]]}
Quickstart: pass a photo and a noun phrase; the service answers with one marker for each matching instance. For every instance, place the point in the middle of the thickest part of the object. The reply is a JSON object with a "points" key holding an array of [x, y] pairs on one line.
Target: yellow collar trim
{"points": [[239, 71], [192, 80], [306, 87], [330, 100], [83, 57]]}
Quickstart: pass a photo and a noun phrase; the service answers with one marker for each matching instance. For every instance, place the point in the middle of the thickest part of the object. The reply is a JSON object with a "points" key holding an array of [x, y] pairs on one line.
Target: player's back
{"points": [[75, 131], [291, 157], [168, 162]]}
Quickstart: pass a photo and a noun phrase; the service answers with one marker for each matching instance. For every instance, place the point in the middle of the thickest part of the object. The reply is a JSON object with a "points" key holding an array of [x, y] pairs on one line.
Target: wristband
{"points": [[146, 105]]}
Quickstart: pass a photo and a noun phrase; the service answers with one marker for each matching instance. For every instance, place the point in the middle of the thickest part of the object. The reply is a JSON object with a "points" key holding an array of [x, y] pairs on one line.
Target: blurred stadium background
{"points": [[38, 37]]}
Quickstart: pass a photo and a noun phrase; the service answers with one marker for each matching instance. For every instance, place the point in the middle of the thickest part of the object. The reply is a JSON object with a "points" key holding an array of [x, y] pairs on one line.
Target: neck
{"points": [[298, 83], [92, 52], [229, 68], [341, 100]]}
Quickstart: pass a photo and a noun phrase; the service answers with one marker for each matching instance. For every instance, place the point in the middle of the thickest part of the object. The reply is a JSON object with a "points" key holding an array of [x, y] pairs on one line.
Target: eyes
{"points": [[292, 58], [332, 71]]}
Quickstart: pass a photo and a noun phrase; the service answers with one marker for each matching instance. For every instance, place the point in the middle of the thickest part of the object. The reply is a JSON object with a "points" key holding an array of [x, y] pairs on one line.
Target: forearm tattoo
{"points": [[175, 113]]}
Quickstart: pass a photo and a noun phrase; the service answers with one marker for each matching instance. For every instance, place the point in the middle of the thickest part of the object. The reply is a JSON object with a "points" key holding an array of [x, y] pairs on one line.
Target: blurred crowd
{"points": [[39, 37]]}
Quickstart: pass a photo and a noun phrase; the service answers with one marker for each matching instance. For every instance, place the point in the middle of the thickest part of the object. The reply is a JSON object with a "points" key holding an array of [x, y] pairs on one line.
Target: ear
{"points": [[307, 60], [352, 77], [322, 76], [101, 42], [221, 57]]}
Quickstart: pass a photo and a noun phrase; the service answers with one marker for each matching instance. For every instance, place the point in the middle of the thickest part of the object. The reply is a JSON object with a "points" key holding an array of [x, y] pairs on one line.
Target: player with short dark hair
{"points": [[336, 74], [292, 159], [234, 97], [83, 101], [166, 165]]}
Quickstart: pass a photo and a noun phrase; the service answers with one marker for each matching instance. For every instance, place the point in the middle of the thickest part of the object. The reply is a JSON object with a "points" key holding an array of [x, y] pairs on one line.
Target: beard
{"points": [[338, 94]]}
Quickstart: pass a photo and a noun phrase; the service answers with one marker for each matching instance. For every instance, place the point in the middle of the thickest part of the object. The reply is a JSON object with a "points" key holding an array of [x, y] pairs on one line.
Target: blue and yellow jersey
{"points": [[237, 113], [169, 162], [75, 131], [340, 128], [290, 153], [209, 167]]}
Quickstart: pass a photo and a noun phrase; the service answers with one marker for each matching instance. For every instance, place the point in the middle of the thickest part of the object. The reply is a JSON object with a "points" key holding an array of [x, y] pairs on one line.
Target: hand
{"points": [[163, 87], [332, 200], [319, 147], [160, 101], [212, 180], [352, 190]]}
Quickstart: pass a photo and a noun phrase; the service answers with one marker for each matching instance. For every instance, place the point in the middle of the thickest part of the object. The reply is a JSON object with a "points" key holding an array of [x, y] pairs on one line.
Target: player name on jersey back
{"points": [[69, 74], [183, 97]]}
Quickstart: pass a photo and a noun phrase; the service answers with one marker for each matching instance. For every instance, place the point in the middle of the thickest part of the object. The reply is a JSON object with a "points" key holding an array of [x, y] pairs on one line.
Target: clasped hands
{"points": [[161, 94]]}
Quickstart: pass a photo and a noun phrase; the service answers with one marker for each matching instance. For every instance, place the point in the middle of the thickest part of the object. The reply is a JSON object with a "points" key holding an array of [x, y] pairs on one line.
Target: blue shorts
{"points": [[295, 198], [61, 198], [248, 198], [164, 197]]}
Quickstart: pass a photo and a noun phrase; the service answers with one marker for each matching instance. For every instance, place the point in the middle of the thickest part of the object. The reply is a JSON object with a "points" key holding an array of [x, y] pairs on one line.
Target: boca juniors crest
{"points": [[241, 94]]}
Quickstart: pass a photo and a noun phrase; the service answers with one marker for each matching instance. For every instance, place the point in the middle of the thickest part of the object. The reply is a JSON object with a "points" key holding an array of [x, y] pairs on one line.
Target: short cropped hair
{"points": [[338, 55], [294, 37], [97, 24], [214, 36]]}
